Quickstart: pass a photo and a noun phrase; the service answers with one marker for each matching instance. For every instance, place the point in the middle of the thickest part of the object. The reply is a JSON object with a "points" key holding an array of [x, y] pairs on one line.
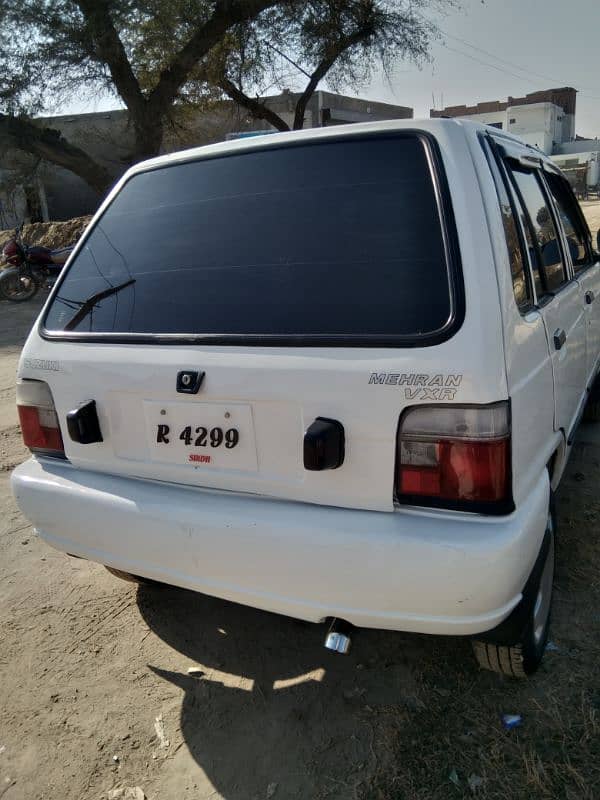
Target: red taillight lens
{"points": [[455, 457], [39, 422]]}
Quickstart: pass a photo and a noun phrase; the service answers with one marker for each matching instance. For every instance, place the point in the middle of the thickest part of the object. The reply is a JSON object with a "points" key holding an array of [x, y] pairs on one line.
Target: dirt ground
{"points": [[591, 210], [95, 692], [50, 234]]}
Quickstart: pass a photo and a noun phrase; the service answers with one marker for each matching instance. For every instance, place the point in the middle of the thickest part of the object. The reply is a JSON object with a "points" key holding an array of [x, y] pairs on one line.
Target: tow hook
{"points": [[339, 636]]}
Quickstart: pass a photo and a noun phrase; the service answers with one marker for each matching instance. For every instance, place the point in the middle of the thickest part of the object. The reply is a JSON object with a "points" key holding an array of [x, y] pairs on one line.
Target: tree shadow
{"points": [[270, 705]]}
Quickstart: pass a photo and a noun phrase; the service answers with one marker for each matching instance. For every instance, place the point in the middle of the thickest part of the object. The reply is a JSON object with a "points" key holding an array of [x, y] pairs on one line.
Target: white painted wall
{"points": [[539, 124]]}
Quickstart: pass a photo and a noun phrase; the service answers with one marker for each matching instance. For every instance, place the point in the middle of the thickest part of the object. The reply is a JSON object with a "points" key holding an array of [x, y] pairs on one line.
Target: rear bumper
{"points": [[410, 570]]}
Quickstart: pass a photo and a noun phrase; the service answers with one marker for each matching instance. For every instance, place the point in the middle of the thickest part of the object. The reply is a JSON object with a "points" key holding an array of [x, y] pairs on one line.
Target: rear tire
{"points": [[523, 658], [17, 288], [130, 578], [592, 410]]}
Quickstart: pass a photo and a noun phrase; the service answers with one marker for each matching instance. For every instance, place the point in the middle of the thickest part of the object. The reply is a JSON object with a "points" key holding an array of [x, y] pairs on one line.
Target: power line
{"points": [[508, 72], [508, 63], [581, 89], [487, 64]]}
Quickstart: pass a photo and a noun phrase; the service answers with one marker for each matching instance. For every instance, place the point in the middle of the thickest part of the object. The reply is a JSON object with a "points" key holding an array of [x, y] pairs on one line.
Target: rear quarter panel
{"points": [[526, 353]]}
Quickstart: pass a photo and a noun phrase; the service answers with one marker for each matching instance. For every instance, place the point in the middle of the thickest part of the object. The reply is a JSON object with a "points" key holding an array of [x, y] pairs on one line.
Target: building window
{"points": [[495, 125], [512, 121]]}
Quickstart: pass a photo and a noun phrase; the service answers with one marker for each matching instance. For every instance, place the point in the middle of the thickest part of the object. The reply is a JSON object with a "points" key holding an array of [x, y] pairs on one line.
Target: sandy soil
{"points": [[50, 234], [88, 663]]}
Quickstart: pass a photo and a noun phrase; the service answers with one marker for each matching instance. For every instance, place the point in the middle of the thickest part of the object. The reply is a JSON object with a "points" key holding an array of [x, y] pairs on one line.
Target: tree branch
{"points": [[111, 51], [227, 13], [345, 43], [49, 144], [255, 107]]}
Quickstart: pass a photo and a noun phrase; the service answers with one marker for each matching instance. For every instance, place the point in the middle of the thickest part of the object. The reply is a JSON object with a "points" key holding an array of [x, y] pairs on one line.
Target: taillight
{"points": [[455, 457], [39, 422]]}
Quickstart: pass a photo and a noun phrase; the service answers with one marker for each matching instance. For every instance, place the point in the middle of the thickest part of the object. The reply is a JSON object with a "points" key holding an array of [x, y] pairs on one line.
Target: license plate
{"points": [[202, 435]]}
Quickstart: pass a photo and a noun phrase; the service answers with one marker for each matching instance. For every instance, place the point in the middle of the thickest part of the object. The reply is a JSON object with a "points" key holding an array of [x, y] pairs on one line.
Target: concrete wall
{"points": [[108, 138], [537, 124], [545, 119], [590, 160], [327, 108], [578, 146], [13, 204], [22, 199]]}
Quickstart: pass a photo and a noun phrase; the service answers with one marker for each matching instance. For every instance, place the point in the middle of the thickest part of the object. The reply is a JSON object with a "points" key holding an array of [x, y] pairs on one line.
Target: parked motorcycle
{"points": [[31, 268]]}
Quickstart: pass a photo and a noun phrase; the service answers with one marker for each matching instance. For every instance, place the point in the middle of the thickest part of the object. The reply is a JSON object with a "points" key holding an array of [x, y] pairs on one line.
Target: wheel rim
{"points": [[19, 286], [541, 608]]}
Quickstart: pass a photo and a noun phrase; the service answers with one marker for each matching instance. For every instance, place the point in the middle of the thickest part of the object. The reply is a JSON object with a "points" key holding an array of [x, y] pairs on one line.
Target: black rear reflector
{"points": [[324, 445], [83, 424]]}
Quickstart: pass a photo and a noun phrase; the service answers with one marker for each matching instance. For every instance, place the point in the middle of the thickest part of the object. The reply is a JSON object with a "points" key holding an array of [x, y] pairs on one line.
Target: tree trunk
{"points": [[149, 132], [21, 133]]}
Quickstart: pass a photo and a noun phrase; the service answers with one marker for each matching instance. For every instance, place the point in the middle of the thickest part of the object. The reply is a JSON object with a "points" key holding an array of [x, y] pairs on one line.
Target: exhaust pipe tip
{"points": [[339, 639]]}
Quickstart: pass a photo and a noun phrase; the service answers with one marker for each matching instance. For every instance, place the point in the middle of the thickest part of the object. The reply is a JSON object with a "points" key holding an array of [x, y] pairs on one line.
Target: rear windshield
{"points": [[331, 239]]}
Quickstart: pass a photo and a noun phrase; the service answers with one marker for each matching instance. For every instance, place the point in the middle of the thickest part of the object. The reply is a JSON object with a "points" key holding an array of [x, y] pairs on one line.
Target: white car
{"points": [[333, 374]]}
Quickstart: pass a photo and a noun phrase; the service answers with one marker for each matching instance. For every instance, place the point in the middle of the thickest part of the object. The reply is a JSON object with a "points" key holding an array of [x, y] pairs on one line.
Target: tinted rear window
{"points": [[330, 239]]}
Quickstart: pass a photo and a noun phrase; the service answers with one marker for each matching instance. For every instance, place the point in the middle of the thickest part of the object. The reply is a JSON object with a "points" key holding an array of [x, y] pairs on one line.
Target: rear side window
{"points": [[520, 277], [546, 253], [338, 239], [575, 232], [531, 247]]}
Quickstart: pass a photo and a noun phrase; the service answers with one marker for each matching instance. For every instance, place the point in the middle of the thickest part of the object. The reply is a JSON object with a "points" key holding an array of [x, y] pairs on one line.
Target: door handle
{"points": [[589, 297], [560, 337]]}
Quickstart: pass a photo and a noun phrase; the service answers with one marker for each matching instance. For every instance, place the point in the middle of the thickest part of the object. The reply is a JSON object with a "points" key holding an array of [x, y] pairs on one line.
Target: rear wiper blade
{"points": [[88, 305]]}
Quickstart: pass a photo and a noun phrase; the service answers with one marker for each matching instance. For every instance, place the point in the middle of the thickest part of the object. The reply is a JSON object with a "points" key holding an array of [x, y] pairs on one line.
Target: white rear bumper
{"points": [[429, 572]]}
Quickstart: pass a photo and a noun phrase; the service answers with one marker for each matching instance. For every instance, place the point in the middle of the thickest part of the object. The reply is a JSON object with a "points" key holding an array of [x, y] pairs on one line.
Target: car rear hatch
{"points": [[220, 305]]}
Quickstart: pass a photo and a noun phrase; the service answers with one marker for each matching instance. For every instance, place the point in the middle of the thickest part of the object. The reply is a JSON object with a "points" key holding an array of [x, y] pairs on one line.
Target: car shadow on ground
{"points": [[269, 705]]}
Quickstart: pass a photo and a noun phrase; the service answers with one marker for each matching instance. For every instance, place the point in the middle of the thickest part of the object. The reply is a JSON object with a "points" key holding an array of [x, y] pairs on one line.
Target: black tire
{"points": [[521, 659], [591, 412], [17, 288], [130, 578]]}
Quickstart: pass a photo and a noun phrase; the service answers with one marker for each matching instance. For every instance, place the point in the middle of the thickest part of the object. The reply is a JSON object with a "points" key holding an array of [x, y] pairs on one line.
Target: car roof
{"points": [[279, 139]]}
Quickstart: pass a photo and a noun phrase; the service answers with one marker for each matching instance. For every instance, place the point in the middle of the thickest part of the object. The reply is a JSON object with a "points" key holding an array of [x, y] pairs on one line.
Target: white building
{"points": [[545, 119], [582, 167]]}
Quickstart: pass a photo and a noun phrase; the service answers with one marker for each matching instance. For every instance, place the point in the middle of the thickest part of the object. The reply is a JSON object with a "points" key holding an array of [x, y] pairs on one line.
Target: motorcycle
{"points": [[30, 268]]}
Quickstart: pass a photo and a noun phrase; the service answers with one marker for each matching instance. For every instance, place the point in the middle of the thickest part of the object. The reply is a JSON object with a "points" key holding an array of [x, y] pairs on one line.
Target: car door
{"points": [[585, 262], [559, 296]]}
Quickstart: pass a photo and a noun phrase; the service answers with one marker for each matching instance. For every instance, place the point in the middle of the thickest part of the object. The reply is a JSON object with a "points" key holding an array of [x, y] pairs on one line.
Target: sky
{"points": [[492, 49]]}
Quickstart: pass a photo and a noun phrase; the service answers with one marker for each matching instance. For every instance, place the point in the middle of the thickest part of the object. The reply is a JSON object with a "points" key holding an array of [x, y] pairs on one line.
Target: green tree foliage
{"points": [[159, 56]]}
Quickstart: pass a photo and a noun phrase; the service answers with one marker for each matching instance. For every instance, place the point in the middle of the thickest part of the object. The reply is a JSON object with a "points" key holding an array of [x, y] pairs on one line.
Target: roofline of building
{"points": [[323, 93], [564, 96], [272, 98]]}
